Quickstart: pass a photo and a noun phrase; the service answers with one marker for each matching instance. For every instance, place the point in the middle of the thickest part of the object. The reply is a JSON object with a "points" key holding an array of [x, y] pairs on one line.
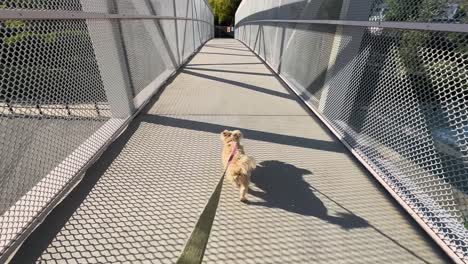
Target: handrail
{"points": [[381, 24], [67, 15]]}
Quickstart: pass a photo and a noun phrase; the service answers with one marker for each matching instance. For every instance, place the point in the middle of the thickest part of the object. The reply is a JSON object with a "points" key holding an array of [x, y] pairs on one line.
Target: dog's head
{"points": [[231, 136]]}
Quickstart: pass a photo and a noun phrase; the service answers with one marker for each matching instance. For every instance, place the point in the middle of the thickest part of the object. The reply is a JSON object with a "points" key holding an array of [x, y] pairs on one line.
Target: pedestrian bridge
{"points": [[110, 129]]}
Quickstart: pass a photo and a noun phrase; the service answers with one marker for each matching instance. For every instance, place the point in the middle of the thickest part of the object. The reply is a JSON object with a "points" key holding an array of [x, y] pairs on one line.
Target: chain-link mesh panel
{"points": [[163, 7], [313, 43], [397, 97], [52, 100], [143, 46], [196, 24], [169, 27], [97, 6], [267, 34], [67, 5], [184, 27], [66, 87], [434, 11], [405, 112], [188, 40], [63, 54]]}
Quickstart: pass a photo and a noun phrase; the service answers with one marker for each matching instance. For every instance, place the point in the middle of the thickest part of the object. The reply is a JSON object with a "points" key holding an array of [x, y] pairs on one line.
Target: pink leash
{"points": [[234, 150]]}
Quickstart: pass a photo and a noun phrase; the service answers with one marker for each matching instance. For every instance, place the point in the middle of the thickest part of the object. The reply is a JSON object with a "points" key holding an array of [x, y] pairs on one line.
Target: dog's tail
{"points": [[249, 164]]}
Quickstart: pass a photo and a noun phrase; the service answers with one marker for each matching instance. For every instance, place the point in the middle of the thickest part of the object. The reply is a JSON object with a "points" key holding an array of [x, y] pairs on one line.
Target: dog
{"points": [[241, 166]]}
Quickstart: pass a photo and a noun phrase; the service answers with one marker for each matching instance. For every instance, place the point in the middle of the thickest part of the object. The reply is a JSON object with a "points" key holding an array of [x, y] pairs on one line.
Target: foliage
{"points": [[420, 10], [424, 10], [224, 10]]}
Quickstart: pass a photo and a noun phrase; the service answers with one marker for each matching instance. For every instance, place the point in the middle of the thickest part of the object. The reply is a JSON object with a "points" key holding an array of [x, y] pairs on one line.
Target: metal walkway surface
{"points": [[310, 202]]}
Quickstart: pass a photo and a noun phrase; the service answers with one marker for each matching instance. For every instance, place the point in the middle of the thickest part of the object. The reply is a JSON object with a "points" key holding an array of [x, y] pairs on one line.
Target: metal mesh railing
{"points": [[72, 75], [389, 77]]}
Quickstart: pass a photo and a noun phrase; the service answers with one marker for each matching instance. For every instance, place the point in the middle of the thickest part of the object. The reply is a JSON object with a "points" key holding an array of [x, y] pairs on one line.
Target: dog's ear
{"points": [[225, 134], [237, 134]]}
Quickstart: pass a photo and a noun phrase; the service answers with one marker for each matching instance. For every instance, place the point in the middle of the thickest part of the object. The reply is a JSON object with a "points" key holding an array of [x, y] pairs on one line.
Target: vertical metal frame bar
{"points": [[112, 62], [176, 27]]}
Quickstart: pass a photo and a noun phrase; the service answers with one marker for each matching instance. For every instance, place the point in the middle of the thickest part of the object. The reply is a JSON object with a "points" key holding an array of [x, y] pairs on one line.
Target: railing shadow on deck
{"points": [[228, 71], [309, 203], [227, 54], [248, 133], [38, 242], [42, 237], [225, 64], [244, 85]]}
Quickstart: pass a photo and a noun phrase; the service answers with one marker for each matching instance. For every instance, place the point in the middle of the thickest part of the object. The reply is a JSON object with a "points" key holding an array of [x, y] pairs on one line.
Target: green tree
{"points": [[224, 10]]}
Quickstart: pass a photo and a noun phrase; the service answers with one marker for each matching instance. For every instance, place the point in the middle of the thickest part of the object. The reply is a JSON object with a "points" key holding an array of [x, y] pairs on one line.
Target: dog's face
{"points": [[231, 136]]}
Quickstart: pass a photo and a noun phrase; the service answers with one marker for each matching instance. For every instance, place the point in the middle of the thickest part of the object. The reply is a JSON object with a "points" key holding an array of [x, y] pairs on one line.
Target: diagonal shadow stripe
{"points": [[218, 64], [227, 54], [248, 133], [227, 48], [227, 71], [242, 85]]}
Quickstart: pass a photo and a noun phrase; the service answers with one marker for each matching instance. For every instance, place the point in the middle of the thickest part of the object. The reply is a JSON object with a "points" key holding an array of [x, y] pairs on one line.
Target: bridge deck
{"points": [[311, 202]]}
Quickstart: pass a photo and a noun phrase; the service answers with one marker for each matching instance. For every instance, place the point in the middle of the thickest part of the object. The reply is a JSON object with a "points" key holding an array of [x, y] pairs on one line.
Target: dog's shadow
{"points": [[284, 187]]}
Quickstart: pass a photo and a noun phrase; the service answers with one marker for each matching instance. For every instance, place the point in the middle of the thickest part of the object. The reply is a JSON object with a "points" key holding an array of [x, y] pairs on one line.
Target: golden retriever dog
{"points": [[241, 166]]}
